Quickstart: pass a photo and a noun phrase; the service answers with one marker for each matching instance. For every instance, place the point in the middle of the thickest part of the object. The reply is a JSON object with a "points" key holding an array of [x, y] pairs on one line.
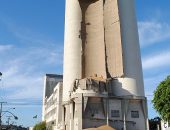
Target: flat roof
{"points": [[54, 75]]}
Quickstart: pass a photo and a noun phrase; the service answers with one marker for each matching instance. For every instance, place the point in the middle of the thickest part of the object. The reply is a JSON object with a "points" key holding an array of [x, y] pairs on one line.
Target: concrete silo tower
{"points": [[103, 82]]}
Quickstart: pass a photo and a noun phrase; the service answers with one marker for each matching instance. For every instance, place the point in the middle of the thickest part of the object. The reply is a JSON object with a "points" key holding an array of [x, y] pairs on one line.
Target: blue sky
{"points": [[31, 45]]}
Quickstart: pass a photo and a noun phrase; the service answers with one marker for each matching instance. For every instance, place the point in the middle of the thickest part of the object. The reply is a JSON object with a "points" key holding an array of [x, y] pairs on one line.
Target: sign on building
{"points": [[165, 126]]}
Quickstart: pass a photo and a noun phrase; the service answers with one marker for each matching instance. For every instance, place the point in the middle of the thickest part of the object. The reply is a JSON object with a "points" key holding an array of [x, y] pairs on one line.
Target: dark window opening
{"points": [[135, 114], [115, 113]]}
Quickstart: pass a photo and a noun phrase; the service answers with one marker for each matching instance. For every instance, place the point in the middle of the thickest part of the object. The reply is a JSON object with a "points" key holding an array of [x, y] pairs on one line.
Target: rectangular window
{"points": [[135, 114], [115, 113]]}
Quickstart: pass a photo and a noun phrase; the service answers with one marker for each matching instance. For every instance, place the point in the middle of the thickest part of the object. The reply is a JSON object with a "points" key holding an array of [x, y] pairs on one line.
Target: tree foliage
{"points": [[161, 100], [40, 126]]}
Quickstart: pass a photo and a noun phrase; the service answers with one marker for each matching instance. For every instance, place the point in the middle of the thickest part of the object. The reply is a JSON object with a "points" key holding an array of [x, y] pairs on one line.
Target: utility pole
{"points": [[8, 121], [1, 104]]}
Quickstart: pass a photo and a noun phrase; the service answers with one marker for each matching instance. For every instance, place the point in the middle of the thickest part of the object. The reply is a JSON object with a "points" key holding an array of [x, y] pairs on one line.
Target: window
{"points": [[115, 113], [135, 114]]}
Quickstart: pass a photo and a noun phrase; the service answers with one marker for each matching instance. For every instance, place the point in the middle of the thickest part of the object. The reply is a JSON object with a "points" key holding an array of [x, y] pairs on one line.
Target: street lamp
{"points": [[15, 117], [8, 110], [0, 75], [12, 108]]}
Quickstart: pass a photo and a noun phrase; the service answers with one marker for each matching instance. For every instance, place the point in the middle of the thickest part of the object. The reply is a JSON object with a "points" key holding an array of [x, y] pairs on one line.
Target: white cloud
{"points": [[161, 59], [5, 48], [152, 32], [16, 103], [24, 66], [24, 73]]}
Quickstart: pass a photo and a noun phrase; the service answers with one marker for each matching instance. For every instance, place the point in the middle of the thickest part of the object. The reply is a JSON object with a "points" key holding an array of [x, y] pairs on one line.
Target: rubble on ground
{"points": [[101, 128]]}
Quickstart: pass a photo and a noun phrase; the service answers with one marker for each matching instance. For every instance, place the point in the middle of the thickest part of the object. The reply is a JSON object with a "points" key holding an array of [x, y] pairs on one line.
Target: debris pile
{"points": [[101, 128]]}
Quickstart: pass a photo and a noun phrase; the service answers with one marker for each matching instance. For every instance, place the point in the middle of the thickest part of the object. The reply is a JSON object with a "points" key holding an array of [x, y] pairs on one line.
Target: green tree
{"points": [[40, 126], [161, 100]]}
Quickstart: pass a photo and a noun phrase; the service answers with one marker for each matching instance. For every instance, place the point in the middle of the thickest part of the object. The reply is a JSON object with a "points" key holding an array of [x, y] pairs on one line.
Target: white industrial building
{"points": [[52, 99], [102, 78]]}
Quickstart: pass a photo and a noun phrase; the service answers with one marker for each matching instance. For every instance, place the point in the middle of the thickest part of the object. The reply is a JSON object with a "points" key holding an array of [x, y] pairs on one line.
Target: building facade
{"points": [[52, 99], [102, 78]]}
